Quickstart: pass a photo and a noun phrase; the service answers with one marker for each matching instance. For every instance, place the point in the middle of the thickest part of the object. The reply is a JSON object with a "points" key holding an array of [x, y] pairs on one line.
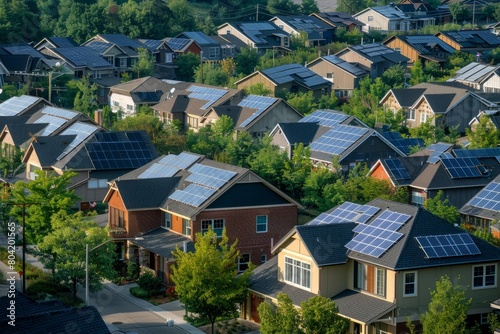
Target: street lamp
{"points": [[87, 250]]}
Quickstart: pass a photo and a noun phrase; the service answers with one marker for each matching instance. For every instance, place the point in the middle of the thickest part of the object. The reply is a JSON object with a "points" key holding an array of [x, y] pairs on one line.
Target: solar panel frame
{"points": [[346, 212], [448, 245], [211, 95], [193, 195], [59, 112], [53, 124], [209, 176], [462, 167], [16, 105], [488, 198], [397, 169], [339, 138]]}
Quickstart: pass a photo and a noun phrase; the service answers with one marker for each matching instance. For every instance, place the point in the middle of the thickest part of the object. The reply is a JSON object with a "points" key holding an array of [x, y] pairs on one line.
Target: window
{"points": [[130, 107], [423, 117], [261, 224], [297, 272], [398, 50], [380, 282], [186, 226], [217, 225], [123, 62], [167, 220], [417, 198], [97, 184], [360, 276], [329, 75], [32, 169], [243, 262], [370, 18], [193, 122], [110, 59], [116, 104], [97, 74], [117, 217], [483, 318], [285, 41], [484, 276], [370, 278], [263, 258], [410, 284], [411, 114], [213, 52]]}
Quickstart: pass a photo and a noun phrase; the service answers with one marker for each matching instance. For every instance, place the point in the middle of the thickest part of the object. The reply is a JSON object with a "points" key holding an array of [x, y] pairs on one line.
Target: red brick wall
{"points": [[241, 224], [143, 221]]}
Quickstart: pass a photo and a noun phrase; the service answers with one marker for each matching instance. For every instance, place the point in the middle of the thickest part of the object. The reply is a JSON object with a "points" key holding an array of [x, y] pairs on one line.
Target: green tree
{"points": [[305, 103], [455, 9], [268, 162], [417, 73], [86, 97], [280, 6], [309, 6], [484, 134], [394, 76], [213, 75], [317, 185], [144, 66], [246, 61], [442, 209], [258, 89], [495, 54], [458, 60], [142, 121], [207, 280], [186, 65], [67, 241], [282, 318], [239, 150], [447, 310], [320, 315], [296, 171]]}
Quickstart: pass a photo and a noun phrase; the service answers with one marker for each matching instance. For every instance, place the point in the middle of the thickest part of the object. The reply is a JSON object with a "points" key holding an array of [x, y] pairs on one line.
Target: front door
{"points": [[254, 304]]}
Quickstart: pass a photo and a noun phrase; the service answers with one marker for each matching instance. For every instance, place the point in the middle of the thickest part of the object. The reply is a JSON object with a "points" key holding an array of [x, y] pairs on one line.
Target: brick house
{"points": [[174, 197]]}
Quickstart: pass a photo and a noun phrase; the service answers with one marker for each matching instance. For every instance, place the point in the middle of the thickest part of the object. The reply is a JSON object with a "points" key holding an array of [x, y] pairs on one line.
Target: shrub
{"points": [[39, 289], [139, 292], [133, 270], [150, 283]]}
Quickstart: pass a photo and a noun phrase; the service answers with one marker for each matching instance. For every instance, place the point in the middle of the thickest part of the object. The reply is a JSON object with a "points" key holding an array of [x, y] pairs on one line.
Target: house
{"points": [[169, 200], [344, 76], [19, 62], [445, 104], [405, 145], [422, 13], [383, 18], [55, 42], [420, 47], [378, 263], [493, 27], [24, 105], [316, 30], [210, 49], [254, 114], [182, 46], [128, 97], [261, 36], [191, 102], [479, 76], [483, 210], [340, 20], [293, 78], [164, 67], [332, 135], [375, 58], [477, 42], [458, 173], [49, 316]]}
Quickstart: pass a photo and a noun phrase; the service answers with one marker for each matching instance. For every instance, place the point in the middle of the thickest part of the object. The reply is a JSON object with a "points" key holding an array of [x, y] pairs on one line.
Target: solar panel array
{"points": [[62, 113], [207, 94], [346, 212], [325, 118], [488, 198], [376, 238], [111, 151], [459, 168], [193, 195], [403, 144], [24, 50], [16, 105], [177, 44], [429, 39], [397, 169], [338, 139], [209, 176], [82, 132], [294, 72], [478, 153], [438, 149], [448, 245], [82, 56], [168, 166], [261, 103], [53, 124], [200, 37]]}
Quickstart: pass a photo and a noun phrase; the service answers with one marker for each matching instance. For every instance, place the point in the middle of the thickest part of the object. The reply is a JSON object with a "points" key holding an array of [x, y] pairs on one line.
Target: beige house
{"points": [[377, 284], [383, 18]]}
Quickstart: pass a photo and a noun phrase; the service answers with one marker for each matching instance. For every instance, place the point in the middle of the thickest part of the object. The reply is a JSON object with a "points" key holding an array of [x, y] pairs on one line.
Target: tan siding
{"points": [[406, 49]]}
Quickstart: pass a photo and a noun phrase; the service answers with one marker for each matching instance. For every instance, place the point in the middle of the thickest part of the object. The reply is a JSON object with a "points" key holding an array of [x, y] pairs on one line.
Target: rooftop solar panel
{"points": [[193, 195], [82, 132], [177, 44], [158, 170], [478, 152], [261, 103], [16, 105], [338, 139], [448, 245], [462, 167], [325, 118], [211, 95], [54, 123], [168, 165], [346, 212], [397, 169], [209, 176], [62, 113], [488, 198]]}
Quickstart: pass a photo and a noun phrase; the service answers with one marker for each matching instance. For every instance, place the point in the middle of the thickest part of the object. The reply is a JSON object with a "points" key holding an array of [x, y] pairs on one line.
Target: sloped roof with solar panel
{"points": [[295, 73], [23, 49], [346, 66], [262, 33], [259, 103], [152, 44], [390, 12], [81, 56], [199, 37], [17, 105], [377, 52], [121, 40], [473, 38], [208, 94], [404, 144], [98, 46], [62, 42], [486, 203], [83, 131], [305, 23], [339, 19], [425, 43], [473, 73], [178, 44]]}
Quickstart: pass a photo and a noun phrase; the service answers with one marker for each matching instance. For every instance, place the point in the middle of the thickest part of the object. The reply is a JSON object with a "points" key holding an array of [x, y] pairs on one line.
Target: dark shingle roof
{"points": [[21, 133], [299, 132], [295, 73], [406, 97], [377, 52], [475, 211], [162, 242], [48, 148], [360, 306], [146, 193]]}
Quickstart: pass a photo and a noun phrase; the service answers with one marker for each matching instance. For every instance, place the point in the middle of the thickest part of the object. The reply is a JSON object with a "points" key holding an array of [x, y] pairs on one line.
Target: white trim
{"points": [[483, 286], [414, 294], [257, 224]]}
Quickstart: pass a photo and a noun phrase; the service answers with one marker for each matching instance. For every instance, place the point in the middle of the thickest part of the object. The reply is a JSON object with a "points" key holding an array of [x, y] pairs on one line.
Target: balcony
{"points": [[117, 231]]}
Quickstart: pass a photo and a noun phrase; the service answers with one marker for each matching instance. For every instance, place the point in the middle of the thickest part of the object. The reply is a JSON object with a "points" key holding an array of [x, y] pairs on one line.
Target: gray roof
{"points": [[475, 211], [163, 242], [305, 23], [346, 66], [377, 52], [473, 38], [389, 12], [62, 42], [82, 56], [339, 19], [262, 33], [146, 193], [296, 73], [424, 43], [365, 308], [22, 133], [299, 132], [48, 148], [199, 37], [122, 40], [473, 73]]}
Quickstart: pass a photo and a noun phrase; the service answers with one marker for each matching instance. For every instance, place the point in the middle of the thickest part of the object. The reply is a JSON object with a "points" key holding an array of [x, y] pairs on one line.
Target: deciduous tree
{"points": [[282, 318], [484, 134], [321, 315], [442, 208]]}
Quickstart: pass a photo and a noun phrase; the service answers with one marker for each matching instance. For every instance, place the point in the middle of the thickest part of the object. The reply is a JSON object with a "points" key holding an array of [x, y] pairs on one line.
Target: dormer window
{"points": [[297, 272]]}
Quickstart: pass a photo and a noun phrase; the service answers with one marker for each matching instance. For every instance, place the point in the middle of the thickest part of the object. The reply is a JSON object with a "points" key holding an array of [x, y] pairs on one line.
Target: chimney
{"points": [[98, 116]]}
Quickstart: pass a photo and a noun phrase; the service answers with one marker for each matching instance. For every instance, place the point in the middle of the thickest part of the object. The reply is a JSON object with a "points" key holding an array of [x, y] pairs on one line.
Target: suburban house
{"points": [[422, 13], [483, 210], [344, 76], [458, 173], [420, 47], [316, 30], [128, 97], [181, 46], [445, 104], [478, 42], [55, 42], [24, 105], [340, 20], [169, 200], [261, 36], [163, 58], [332, 135], [19, 62], [375, 58], [290, 78], [191, 102], [481, 77], [378, 263], [210, 49], [383, 18], [405, 145], [254, 114]]}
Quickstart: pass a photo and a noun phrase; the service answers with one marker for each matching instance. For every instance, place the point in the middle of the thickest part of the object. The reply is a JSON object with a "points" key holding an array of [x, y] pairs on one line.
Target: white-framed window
{"points": [[286, 41], [123, 62], [97, 74], [261, 223], [360, 278], [243, 262], [186, 226], [32, 170], [167, 220], [217, 225], [484, 276], [110, 59], [116, 104], [193, 122], [423, 117], [97, 184], [417, 198], [130, 107], [298, 272], [370, 18], [410, 284], [380, 281], [411, 114], [398, 50], [213, 52]]}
